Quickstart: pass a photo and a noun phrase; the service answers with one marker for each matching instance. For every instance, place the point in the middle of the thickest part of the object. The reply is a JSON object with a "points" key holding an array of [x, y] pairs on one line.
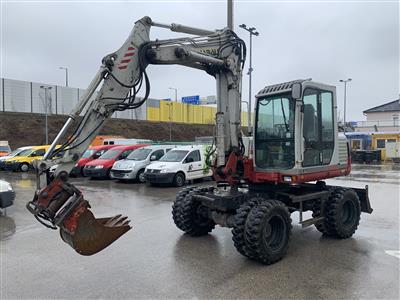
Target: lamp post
{"points": [[45, 88], [170, 121], [252, 31], [66, 75], [247, 104], [176, 93], [344, 101]]}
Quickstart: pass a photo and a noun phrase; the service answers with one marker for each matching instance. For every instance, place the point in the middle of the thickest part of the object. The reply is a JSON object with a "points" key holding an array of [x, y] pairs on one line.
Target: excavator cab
{"points": [[296, 133]]}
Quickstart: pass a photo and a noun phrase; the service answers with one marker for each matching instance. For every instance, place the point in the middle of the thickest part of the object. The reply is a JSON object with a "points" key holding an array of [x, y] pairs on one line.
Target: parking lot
{"points": [[155, 260]]}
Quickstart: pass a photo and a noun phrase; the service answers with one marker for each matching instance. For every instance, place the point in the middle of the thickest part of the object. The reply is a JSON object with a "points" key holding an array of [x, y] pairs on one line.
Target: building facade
{"points": [[384, 117]]}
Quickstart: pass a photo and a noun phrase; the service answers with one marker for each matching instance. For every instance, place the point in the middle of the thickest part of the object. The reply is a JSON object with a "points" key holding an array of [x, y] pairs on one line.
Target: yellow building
{"points": [[177, 112], [380, 140]]}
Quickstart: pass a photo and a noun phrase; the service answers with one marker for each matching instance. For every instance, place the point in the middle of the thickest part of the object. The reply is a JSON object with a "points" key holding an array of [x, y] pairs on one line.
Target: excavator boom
{"points": [[59, 204]]}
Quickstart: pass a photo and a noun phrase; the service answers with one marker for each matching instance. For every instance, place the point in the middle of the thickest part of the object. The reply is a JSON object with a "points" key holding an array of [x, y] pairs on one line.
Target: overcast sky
{"points": [[324, 40]]}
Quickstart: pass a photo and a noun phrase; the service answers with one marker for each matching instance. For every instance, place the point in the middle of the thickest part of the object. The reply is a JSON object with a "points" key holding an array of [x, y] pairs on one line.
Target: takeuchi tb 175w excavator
{"points": [[296, 145]]}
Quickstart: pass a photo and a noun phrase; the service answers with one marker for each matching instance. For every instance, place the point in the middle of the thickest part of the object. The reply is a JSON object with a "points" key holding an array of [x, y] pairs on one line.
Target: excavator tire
{"points": [[238, 230], [321, 227], [176, 206], [185, 212], [268, 229], [342, 213]]}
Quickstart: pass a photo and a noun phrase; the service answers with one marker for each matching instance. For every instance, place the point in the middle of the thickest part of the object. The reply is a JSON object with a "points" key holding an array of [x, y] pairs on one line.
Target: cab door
{"points": [[318, 127], [193, 165]]}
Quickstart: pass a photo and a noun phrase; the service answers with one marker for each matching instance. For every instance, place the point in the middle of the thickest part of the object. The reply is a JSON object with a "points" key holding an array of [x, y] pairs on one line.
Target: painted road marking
{"points": [[395, 253]]}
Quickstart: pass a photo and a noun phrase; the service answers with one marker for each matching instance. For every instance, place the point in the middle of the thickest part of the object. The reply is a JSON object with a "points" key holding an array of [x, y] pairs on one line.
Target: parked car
{"points": [[90, 154], [134, 165], [4, 148], [23, 162], [101, 167], [7, 194], [179, 165], [15, 153]]}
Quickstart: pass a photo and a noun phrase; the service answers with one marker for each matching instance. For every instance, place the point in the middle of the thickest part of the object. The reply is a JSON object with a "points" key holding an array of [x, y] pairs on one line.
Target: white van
{"points": [[133, 166], [179, 165]]}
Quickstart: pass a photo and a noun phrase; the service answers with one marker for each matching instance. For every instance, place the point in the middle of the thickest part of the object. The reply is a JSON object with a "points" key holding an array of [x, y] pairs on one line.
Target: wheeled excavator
{"points": [[295, 147]]}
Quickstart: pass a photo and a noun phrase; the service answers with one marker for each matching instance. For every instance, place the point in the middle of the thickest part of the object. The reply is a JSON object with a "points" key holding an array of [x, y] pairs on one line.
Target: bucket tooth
{"points": [[93, 235]]}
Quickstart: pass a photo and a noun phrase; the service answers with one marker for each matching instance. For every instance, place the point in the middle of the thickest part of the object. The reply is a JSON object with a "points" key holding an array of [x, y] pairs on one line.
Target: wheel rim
{"points": [[348, 214], [24, 167], [179, 180], [274, 233], [141, 177]]}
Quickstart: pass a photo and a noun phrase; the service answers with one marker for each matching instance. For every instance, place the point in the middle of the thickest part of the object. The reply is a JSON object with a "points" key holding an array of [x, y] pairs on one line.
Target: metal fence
{"points": [[29, 97]]}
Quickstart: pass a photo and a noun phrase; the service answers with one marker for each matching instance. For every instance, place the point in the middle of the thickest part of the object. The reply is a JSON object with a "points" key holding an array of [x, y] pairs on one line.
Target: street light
{"points": [[66, 75], [247, 104], [176, 93], [252, 31], [344, 101], [45, 88], [170, 121]]}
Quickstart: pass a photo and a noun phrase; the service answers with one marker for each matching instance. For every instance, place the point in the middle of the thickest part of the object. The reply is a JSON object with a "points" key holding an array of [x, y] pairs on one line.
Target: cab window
{"points": [[39, 152], [193, 156], [158, 154], [125, 154]]}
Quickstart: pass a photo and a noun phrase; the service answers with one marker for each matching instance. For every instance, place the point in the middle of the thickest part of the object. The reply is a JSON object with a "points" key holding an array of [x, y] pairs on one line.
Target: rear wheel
{"points": [[179, 179], [238, 230], [189, 215], [342, 213], [267, 231], [140, 176], [24, 167]]}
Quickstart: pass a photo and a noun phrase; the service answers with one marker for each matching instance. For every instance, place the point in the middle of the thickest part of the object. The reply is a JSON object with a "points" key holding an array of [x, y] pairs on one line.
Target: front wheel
{"points": [[179, 180], [140, 176], [267, 232], [24, 167]]}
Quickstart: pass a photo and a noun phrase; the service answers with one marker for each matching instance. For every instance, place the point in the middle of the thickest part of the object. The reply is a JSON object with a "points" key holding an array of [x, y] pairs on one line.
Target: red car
{"points": [[100, 168], [90, 154]]}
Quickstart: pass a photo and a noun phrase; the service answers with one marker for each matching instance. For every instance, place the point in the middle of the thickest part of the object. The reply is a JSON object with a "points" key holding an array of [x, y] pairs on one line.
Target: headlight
{"points": [[99, 167], [164, 171]]}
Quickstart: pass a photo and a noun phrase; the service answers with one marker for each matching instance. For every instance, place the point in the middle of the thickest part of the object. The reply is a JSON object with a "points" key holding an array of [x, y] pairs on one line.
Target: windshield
{"points": [[88, 153], [174, 155], [110, 154], [16, 152], [274, 142], [25, 152], [139, 154]]}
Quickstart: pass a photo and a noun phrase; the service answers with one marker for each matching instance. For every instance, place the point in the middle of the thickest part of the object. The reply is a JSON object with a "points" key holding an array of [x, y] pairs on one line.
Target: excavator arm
{"points": [[59, 204]]}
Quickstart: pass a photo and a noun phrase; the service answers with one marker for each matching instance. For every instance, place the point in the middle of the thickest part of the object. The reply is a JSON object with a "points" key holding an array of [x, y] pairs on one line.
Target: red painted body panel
{"points": [[278, 177]]}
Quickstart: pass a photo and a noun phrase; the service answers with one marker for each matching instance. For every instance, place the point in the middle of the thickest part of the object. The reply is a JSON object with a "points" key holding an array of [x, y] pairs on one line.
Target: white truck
{"points": [[134, 165], [179, 165]]}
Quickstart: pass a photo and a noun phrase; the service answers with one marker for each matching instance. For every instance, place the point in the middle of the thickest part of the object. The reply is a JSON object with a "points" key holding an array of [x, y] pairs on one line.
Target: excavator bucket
{"points": [[61, 204], [93, 235]]}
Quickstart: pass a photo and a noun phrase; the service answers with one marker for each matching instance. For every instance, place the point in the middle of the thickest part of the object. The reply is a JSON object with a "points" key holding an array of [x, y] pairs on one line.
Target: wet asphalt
{"points": [[155, 260]]}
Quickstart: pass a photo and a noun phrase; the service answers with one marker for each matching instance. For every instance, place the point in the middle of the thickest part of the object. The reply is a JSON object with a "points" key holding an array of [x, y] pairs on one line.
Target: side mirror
{"points": [[153, 158], [296, 90]]}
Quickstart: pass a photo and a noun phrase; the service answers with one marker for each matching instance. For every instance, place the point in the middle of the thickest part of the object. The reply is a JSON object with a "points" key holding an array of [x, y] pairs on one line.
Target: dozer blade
{"points": [[93, 235]]}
